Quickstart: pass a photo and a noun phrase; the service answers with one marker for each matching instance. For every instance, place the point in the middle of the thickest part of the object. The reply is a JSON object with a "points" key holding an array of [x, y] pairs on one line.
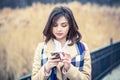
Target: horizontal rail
{"points": [[26, 77]]}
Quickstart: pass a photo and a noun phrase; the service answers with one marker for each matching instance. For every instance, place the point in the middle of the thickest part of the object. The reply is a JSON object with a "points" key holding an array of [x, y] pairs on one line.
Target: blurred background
{"points": [[22, 23]]}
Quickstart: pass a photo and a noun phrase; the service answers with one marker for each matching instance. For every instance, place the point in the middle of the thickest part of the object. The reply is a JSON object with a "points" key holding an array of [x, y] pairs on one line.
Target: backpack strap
{"points": [[43, 56], [78, 61], [43, 61], [81, 49]]}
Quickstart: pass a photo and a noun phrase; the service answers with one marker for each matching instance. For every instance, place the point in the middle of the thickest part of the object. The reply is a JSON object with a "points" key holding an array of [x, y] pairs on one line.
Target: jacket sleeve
{"points": [[74, 74], [38, 70]]}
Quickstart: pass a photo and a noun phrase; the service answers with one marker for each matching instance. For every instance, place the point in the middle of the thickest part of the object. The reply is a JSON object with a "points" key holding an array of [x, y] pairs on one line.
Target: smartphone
{"points": [[56, 54]]}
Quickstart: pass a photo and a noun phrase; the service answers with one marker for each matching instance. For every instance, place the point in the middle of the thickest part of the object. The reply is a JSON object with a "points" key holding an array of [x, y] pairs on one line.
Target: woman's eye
{"points": [[55, 25], [64, 25]]}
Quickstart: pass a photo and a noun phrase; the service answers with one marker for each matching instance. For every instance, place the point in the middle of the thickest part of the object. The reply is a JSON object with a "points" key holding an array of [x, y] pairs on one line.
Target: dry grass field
{"points": [[21, 31]]}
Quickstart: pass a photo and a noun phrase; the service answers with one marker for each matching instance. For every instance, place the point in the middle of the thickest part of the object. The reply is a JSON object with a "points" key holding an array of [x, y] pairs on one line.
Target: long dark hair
{"points": [[73, 34]]}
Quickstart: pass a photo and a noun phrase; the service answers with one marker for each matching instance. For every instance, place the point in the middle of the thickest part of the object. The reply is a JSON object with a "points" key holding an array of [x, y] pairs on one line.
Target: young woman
{"points": [[62, 36]]}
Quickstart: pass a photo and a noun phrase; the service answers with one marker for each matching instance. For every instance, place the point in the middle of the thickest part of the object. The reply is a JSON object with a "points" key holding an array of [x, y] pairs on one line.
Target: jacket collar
{"points": [[50, 46]]}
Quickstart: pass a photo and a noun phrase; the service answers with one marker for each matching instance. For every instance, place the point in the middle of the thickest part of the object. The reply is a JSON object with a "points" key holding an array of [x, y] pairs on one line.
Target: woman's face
{"points": [[60, 28]]}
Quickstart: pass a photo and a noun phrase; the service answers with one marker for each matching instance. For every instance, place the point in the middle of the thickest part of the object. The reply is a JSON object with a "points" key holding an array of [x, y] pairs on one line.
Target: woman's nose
{"points": [[59, 28]]}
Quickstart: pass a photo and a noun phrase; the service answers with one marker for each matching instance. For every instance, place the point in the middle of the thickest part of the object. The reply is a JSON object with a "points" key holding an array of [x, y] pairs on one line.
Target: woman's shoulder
{"points": [[85, 45], [40, 45]]}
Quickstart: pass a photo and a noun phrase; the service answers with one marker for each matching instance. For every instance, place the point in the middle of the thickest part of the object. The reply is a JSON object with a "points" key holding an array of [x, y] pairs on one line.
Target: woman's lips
{"points": [[59, 34]]}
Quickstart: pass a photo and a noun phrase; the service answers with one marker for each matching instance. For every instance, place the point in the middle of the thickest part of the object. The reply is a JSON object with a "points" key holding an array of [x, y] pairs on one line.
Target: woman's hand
{"points": [[66, 59], [52, 62]]}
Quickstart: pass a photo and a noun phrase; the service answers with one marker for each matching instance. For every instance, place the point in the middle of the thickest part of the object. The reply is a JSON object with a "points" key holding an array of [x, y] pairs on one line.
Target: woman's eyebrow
{"points": [[65, 22]]}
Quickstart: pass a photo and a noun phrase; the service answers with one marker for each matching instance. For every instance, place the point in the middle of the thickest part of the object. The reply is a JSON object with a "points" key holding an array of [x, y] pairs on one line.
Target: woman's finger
{"points": [[66, 61]]}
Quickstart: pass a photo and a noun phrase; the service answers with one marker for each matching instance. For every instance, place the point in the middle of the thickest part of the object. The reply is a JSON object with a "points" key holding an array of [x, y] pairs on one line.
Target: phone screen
{"points": [[56, 54]]}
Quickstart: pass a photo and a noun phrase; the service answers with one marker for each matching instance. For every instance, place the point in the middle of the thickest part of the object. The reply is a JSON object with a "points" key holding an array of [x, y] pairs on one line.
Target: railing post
{"points": [[111, 41]]}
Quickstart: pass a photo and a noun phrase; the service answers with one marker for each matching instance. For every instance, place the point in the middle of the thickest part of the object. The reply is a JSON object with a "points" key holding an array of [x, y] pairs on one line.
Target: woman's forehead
{"points": [[61, 19]]}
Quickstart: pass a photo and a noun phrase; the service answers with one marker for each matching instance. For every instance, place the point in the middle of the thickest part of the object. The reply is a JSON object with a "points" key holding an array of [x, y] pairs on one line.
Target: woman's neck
{"points": [[62, 42]]}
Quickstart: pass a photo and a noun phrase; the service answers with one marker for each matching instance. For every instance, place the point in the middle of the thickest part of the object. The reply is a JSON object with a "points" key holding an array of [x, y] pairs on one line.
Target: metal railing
{"points": [[26, 77], [103, 61]]}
